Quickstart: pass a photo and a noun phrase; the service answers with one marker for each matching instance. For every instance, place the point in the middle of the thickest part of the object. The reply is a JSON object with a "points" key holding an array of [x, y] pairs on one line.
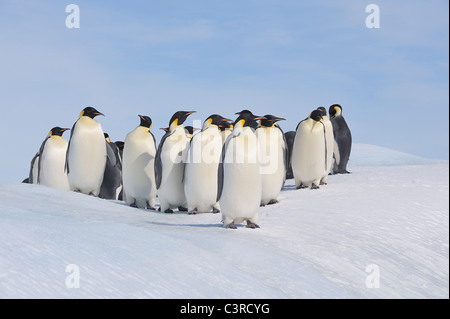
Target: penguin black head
{"points": [[179, 117], [323, 110], [316, 115], [190, 129], [106, 135], [225, 126], [246, 119], [335, 109], [90, 112], [145, 121], [57, 131], [244, 112], [119, 145], [216, 119], [270, 120]]}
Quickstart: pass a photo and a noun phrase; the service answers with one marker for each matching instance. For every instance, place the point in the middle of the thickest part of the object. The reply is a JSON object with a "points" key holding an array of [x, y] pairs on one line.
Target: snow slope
{"points": [[392, 211]]}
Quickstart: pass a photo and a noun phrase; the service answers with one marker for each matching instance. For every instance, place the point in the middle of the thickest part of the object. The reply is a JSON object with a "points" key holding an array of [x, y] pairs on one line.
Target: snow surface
{"points": [[392, 211]]}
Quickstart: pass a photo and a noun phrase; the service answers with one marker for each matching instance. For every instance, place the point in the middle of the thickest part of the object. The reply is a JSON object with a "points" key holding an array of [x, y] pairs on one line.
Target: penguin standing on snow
{"points": [[329, 144], [342, 139], [239, 190], [200, 172], [139, 153], [52, 159], [169, 164], [273, 158], [289, 137], [112, 178], [308, 154], [86, 154]]}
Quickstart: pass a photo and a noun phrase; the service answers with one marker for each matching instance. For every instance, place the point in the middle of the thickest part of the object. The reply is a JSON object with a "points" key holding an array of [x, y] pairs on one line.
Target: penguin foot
{"points": [[314, 186], [231, 225], [168, 211], [193, 212], [159, 209], [301, 186], [215, 211], [251, 225], [150, 207], [182, 209], [273, 201], [133, 205], [262, 205], [323, 183]]}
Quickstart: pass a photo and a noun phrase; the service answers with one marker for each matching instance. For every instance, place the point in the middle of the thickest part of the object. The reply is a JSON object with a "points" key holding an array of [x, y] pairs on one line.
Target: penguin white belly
{"points": [[171, 191], [241, 192], [52, 161], [139, 168], [200, 184], [308, 157], [272, 149], [87, 157]]}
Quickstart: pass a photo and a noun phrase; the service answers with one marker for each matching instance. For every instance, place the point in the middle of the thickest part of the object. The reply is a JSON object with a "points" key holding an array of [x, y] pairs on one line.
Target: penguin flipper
{"points": [[41, 151], [220, 170], [66, 166], [30, 175], [110, 154], [158, 162]]}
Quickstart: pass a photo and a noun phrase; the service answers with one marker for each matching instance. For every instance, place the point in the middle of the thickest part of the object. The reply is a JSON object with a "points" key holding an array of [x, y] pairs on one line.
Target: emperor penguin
{"points": [[308, 154], [329, 144], [52, 158], [272, 157], [139, 153], [169, 164], [202, 163], [239, 178], [112, 177], [86, 154], [342, 140], [189, 130], [289, 137]]}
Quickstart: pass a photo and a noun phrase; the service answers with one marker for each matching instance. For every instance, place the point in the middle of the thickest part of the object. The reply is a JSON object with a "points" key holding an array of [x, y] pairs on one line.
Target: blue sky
{"points": [[274, 57]]}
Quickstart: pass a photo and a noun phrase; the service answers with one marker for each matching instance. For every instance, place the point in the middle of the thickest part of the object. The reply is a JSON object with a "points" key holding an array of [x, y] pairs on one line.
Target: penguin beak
{"points": [[226, 120], [280, 119], [259, 118], [99, 113], [165, 129], [65, 129], [195, 129], [142, 118]]}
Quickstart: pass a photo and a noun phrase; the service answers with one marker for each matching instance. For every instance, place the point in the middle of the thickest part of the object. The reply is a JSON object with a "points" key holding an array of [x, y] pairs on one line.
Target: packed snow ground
{"points": [[391, 212]]}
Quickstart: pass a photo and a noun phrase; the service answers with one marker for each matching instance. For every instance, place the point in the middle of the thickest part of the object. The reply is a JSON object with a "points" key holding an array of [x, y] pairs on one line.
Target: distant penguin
{"points": [[86, 154], [342, 139], [239, 190], [112, 178], [52, 158], [169, 164], [200, 172], [273, 158], [139, 153], [189, 130], [308, 154], [329, 144], [289, 137]]}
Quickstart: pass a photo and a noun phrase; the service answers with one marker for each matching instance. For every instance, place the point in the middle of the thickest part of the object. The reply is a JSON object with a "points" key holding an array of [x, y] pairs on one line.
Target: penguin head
{"points": [[225, 126], [119, 145], [335, 110], [214, 119], [247, 120], [322, 110], [189, 130], [57, 131], [106, 135], [270, 120], [178, 118], [145, 121], [90, 112], [316, 115]]}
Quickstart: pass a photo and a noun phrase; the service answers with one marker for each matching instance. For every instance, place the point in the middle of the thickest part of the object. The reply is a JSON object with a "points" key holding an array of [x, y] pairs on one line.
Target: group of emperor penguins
{"points": [[228, 167]]}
